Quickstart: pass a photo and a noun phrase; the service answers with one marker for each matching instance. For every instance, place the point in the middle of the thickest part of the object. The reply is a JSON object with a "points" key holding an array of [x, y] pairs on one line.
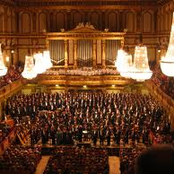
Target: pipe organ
{"points": [[84, 46]]}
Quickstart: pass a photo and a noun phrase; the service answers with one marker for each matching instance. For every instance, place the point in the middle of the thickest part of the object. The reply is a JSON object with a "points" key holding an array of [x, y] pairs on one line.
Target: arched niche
{"points": [[1, 19], [160, 19], [147, 22], [169, 19], [60, 18], [77, 18], [158, 22], [129, 21], [94, 19], [166, 21], [163, 22], [9, 20], [113, 23], [25, 25], [42, 22], [13, 22]]}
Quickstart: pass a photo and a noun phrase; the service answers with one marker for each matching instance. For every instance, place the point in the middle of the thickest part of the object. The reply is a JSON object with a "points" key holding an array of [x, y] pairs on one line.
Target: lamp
{"points": [[167, 62], [3, 68], [47, 59], [29, 70], [140, 70]]}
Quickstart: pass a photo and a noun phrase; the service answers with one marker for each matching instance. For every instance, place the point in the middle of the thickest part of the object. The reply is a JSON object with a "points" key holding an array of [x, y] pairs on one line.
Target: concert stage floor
{"points": [[113, 149]]}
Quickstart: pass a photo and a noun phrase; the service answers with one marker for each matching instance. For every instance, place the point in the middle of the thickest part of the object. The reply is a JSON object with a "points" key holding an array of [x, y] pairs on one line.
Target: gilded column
{"points": [[122, 43], [94, 52], [139, 21], [75, 53], [66, 53], [121, 22], [34, 22], [46, 43], [103, 54]]}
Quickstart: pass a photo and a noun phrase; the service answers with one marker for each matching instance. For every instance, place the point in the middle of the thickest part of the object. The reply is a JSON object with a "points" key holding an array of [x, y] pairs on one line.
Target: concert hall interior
{"points": [[86, 86]]}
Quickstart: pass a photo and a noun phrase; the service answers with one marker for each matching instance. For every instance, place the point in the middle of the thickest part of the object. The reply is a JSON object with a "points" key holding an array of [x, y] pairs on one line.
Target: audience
{"points": [[63, 118], [164, 82], [13, 74], [78, 160], [20, 159], [119, 118], [127, 158], [4, 131], [83, 71]]}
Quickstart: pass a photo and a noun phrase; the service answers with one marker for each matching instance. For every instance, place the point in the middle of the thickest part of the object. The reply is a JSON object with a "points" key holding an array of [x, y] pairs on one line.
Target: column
{"points": [[103, 54], [34, 19], [5, 18], [46, 43], [122, 43], [121, 22], [75, 53], [139, 21], [94, 52], [68, 19], [12, 57], [66, 53]]}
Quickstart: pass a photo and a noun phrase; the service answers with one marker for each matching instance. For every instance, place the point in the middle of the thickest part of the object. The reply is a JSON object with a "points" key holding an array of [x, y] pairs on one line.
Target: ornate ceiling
{"points": [[86, 2], [32, 3]]}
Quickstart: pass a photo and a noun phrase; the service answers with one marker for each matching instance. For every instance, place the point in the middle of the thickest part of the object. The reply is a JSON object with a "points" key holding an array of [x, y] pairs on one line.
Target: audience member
{"points": [[158, 159]]}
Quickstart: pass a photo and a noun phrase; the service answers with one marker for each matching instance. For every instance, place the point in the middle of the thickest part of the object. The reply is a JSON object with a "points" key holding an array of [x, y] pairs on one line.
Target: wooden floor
{"points": [[114, 164]]}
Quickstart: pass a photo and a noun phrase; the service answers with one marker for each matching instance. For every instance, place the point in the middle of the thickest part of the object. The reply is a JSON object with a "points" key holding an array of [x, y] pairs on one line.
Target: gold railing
{"points": [[7, 141], [77, 80], [11, 88], [166, 100]]}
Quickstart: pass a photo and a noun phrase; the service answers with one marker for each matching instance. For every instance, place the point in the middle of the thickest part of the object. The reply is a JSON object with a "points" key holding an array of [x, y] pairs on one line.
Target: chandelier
{"points": [[29, 68], [3, 68], [140, 70], [47, 59], [39, 63], [167, 62], [42, 62], [125, 72], [119, 63], [123, 63]]}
